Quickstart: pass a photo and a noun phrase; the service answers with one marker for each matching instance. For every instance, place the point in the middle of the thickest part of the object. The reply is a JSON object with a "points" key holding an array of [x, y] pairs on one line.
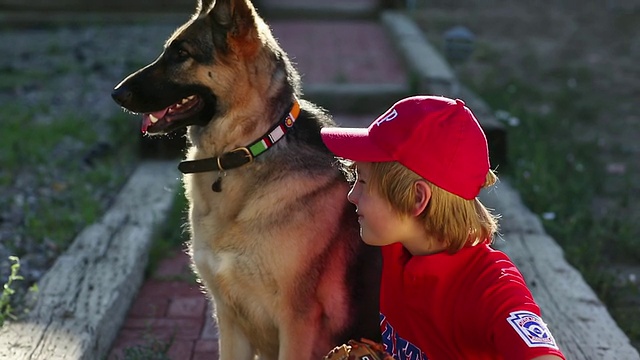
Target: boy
{"points": [[445, 294]]}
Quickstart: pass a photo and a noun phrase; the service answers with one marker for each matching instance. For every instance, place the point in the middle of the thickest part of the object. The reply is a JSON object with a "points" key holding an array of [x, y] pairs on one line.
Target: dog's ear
{"points": [[204, 7], [235, 25], [236, 16]]}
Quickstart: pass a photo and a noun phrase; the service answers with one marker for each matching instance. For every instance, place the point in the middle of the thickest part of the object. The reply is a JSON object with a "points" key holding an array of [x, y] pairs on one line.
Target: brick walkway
{"points": [[170, 309], [170, 305]]}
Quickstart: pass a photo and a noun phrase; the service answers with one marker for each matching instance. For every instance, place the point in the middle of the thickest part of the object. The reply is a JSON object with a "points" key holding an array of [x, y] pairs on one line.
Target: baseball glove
{"points": [[364, 349]]}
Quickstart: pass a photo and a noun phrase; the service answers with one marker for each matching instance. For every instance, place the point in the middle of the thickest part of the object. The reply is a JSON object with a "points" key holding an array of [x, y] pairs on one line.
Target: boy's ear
{"points": [[423, 196]]}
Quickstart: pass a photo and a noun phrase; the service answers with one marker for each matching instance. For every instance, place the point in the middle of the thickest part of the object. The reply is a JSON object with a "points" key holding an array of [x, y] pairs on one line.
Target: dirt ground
{"points": [[535, 42]]}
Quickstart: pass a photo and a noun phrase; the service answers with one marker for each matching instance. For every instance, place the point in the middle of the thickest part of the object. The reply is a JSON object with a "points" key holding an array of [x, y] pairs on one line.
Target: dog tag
{"points": [[217, 185]]}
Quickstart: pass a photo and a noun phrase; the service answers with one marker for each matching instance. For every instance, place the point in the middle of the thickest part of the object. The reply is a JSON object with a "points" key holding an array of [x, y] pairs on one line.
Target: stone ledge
{"points": [[84, 297], [429, 68], [581, 324]]}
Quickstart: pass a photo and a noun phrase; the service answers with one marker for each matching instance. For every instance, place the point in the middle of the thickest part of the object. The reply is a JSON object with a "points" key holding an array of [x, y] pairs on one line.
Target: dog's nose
{"points": [[122, 96]]}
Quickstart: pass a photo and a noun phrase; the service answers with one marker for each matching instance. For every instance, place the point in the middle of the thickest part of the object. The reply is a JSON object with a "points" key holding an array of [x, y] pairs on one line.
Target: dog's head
{"points": [[217, 61]]}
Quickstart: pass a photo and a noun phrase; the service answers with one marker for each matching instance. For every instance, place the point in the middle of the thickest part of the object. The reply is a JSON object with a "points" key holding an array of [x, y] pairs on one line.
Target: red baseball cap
{"points": [[436, 137]]}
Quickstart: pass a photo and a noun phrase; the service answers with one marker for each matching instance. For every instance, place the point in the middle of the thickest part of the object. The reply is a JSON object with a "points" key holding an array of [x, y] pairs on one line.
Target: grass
{"points": [[152, 349], [558, 176], [60, 168], [59, 174], [6, 310], [12, 78], [69, 166]]}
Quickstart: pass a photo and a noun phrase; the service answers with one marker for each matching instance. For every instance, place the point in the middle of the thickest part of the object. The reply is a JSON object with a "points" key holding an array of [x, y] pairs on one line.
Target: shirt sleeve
{"points": [[517, 328], [522, 334]]}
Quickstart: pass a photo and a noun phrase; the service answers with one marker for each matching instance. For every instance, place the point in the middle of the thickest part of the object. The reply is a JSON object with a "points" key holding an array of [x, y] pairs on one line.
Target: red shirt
{"points": [[473, 304]]}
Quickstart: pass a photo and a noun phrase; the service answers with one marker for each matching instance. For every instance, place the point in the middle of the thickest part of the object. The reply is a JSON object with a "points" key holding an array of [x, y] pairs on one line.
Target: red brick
{"points": [[159, 288], [176, 265], [149, 307], [180, 350], [186, 329], [206, 346], [204, 355], [187, 307]]}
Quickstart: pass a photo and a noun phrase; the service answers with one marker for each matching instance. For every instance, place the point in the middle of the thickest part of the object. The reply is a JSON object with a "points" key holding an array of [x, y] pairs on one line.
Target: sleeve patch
{"points": [[531, 329]]}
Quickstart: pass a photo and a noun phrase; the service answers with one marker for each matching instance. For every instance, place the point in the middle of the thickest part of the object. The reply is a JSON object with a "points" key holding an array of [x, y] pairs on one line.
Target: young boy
{"points": [[445, 294]]}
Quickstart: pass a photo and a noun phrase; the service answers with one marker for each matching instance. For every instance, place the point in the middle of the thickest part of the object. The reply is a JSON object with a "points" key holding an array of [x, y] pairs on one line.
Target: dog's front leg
{"points": [[303, 332], [233, 343]]}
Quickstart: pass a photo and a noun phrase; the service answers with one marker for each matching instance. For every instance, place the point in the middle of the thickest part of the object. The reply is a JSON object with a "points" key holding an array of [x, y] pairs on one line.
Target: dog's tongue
{"points": [[146, 118]]}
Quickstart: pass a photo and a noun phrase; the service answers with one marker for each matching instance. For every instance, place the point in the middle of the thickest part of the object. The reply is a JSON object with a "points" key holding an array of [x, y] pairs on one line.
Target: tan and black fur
{"points": [[278, 248]]}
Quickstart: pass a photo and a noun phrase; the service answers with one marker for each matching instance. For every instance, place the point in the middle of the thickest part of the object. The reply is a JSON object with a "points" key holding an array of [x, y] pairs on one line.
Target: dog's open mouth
{"points": [[160, 121]]}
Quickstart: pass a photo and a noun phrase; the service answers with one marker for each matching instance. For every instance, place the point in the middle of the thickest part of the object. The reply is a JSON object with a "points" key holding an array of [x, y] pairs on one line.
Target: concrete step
{"points": [[313, 9], [346, 66]]}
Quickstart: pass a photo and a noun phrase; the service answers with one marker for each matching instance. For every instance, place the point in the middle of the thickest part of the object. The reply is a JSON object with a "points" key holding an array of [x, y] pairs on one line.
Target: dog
{"points": [[273, 238]]}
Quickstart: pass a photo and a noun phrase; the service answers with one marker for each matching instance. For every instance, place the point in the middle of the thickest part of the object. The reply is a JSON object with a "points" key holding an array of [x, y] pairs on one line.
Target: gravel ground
{"points": [[56, 72]]}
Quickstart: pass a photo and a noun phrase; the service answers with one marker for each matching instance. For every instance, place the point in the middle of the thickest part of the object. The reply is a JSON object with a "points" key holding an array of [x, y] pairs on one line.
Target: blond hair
{"points": [[449, 218]]}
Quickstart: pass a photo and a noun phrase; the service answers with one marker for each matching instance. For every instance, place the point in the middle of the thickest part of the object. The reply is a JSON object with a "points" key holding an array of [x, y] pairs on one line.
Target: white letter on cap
{"points": [[392, 115]]}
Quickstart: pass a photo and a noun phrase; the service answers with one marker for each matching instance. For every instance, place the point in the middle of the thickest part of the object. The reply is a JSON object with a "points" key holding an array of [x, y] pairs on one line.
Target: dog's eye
{"points": [[182, 54]]}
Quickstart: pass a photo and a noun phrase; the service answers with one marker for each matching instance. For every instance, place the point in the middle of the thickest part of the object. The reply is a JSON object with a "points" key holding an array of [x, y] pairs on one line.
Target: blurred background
{"points": [[560, 81]]}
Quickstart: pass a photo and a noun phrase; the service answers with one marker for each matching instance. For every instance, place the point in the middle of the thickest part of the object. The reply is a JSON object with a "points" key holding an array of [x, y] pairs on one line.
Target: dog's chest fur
{"points": [[229, 261], [252, 248]]}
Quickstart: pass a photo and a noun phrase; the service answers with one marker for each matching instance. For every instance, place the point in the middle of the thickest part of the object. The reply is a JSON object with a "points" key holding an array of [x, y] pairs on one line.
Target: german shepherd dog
{"points": [[273, 237]]}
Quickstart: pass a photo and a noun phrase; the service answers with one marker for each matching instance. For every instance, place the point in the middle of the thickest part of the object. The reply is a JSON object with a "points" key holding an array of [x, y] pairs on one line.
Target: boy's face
{"points": [[379, 224]]}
